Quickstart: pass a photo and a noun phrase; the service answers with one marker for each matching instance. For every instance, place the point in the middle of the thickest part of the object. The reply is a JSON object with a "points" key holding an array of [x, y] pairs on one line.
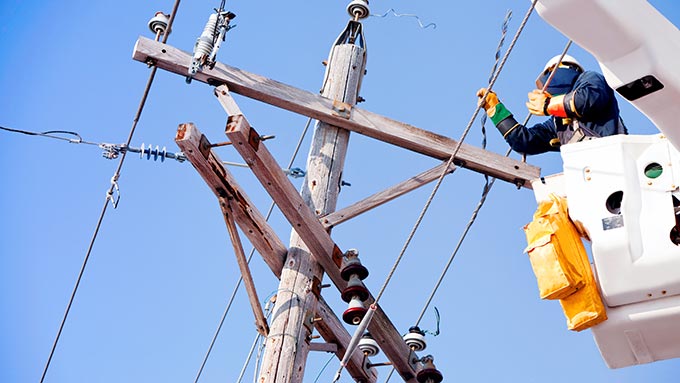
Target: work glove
{"points": [[489, 102], [496, 111], [538, 102]]}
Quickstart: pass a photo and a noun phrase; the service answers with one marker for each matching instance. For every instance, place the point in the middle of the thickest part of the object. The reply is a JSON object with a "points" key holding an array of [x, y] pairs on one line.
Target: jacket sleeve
{"points": [[540, 138], [590, 98]]}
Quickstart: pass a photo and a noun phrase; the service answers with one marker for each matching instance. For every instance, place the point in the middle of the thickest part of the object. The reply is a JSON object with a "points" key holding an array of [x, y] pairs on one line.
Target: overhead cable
{"points": [[485, 193], [109, 194], [395, 14], [367, 318]]}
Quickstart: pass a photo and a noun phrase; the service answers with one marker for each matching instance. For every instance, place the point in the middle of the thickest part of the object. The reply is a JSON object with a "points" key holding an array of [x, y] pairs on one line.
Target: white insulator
{"points": [[415, 340], [159, 23], [368, 345], [204, 45], [358, 9]]}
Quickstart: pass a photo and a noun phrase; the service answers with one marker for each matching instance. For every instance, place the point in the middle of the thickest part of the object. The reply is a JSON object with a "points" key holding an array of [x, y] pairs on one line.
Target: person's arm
{"points": [[540, 138], [589, 100]]}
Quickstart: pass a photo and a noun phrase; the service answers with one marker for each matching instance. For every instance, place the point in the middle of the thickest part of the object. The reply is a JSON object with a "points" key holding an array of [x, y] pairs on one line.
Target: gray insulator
{"points": [[358, 9], [415, 340], [368, 345], [159, 23]]}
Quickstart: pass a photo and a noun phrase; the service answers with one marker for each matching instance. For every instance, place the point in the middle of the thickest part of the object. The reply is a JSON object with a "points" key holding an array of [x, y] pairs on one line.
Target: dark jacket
{"points": [[591, 103]]}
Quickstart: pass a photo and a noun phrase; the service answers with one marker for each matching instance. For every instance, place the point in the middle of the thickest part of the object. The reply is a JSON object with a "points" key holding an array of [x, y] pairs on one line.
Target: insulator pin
{"points": [[429, 373], [415, 339], [368, 345], [355, 313], [358, 9], [354, 289], [159, 23], [352, 266]]}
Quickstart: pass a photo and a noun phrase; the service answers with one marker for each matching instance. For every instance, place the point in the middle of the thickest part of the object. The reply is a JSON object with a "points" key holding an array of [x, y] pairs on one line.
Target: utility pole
{"points": [[287, 346], [300, 307]]}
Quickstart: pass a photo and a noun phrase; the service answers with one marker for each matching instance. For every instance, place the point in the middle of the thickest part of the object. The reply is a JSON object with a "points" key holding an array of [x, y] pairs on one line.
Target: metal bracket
{"points": [[308, 322], [204, 146], [342, 109], [254, 139], [337, 256], [316, 287]]}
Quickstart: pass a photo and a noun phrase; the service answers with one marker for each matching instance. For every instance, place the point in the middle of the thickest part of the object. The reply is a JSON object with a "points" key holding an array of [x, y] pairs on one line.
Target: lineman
{"points": [[580, 103]]}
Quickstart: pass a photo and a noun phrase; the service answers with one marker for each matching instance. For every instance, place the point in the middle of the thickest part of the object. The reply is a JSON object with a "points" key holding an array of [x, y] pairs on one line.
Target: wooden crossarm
{"points": [[358, 120]]}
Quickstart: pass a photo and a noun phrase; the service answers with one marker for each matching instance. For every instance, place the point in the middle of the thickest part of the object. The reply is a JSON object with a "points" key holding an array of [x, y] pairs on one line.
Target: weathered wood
{"points": [[248, 282], [377, 199], [321, 108], [197, 149], [312, 232], [325, 347], [324, 165]]}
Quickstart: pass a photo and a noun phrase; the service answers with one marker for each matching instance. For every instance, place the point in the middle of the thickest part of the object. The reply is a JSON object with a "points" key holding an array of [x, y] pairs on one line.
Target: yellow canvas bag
{"points": [[551, 247], [561, 265]]}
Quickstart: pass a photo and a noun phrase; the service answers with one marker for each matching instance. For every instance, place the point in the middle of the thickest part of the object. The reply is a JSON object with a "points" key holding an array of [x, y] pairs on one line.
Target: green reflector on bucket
{"points": [[653, 170]]}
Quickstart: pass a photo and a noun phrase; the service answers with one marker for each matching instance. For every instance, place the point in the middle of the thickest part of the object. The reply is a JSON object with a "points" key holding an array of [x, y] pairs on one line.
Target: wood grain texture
{"points": [[197, 149], [321, 108], [314, 235], [384, 196]]}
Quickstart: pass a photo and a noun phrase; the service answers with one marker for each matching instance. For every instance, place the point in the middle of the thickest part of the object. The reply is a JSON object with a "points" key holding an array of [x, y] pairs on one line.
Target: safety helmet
{"points": [[565, 60], [564, 77]]}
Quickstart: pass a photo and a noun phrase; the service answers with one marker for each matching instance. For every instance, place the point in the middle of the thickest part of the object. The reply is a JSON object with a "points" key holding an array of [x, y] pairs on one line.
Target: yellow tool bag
{"points": [[561, 265], [551, 246]]}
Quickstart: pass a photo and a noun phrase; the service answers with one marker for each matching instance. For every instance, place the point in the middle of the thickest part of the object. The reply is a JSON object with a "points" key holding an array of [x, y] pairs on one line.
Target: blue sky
{"points": [[162, 267]]}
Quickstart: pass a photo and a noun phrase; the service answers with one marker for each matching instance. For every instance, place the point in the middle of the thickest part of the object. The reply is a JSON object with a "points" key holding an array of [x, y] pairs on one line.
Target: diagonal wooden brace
{"points": [[382, 197], [231, 196], [314, 235], [260, 320]]}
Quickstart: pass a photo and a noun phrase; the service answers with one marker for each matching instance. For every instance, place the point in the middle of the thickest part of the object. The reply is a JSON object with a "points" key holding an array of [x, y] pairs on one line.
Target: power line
{"points": [[52, 134], [364, 323], [110, 151], [109, 193]]}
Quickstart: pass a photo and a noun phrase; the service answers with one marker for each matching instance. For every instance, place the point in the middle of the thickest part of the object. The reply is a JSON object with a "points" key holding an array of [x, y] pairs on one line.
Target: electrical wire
{"points": [[51, 134], [420, 23], [250, 256], [485, 193], [324, 368], [258, 337], [109, 193], [367, 318]]}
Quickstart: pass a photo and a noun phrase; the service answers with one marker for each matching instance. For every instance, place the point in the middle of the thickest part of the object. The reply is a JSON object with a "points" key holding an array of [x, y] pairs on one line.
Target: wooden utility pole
{"points": [[300, 307], [287, 346]]}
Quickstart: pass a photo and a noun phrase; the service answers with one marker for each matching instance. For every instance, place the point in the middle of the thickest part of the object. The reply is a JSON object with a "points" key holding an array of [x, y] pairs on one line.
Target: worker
{"points": [[580, 103]]}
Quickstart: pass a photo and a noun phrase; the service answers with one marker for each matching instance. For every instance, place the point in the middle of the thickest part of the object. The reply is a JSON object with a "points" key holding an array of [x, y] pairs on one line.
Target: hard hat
{"points": [[565, 60]]}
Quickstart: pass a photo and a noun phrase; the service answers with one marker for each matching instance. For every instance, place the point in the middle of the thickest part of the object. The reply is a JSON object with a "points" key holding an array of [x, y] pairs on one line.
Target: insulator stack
{"points": [[368, 345], [429, 373], [208, 43], [355, 293], [415, 339]]}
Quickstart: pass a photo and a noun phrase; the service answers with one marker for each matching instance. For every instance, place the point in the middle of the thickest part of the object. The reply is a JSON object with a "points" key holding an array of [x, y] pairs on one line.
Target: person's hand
{"points": [[538, 102], [489, 102]]}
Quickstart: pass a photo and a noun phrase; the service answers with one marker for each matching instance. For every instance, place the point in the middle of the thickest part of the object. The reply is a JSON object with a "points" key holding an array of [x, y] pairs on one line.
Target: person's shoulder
{"points": [[591, 75]]}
